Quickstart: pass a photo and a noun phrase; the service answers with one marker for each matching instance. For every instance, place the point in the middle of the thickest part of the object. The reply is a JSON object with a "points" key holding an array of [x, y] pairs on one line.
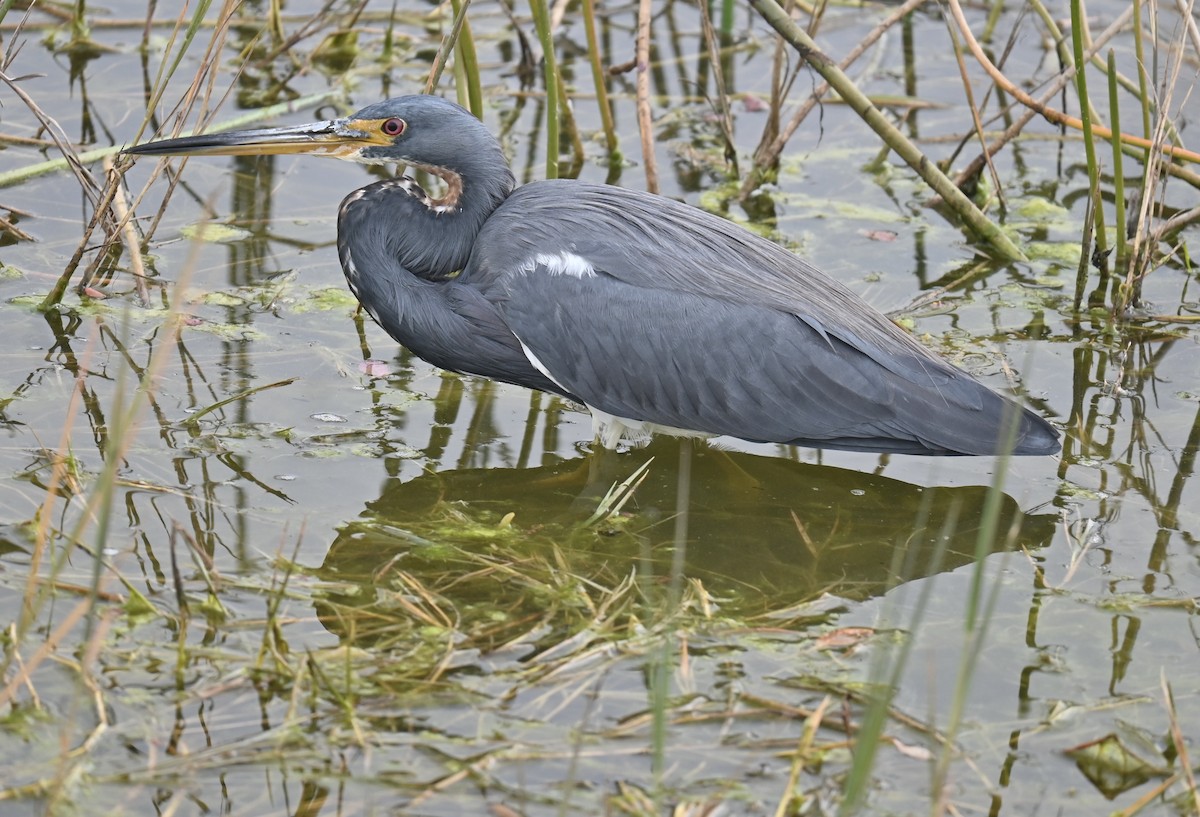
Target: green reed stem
{"points": [[79, 27], [1085, 116], [541, 19], [1118, 179], [1143, 93], [993, 20], [599, 80], [728, 7]]}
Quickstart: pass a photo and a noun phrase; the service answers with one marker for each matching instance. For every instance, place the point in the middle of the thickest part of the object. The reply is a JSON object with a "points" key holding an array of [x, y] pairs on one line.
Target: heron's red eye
{"points": [[393, 126]]}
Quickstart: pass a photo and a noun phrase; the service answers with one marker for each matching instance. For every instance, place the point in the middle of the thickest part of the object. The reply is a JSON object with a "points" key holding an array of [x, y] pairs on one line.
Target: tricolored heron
{"points": [[655, 315]]}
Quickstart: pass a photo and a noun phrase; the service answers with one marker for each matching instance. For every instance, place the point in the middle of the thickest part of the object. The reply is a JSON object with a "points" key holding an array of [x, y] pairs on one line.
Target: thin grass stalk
{"points": [[976, 120], [600, 81], [1143, 92], [100, 497], [995, 10], [1053, 115], [541, 21], [1143, 247], [975, 220], [388, 53], [1085, 254], [979, 610], [1118, 177], [886, 671], [662, 662], [466, 58]]}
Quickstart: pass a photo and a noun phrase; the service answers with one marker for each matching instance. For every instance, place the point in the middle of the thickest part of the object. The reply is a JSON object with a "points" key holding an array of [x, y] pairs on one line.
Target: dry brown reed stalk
{"points": [[1142, 247], [1051, 114], [644, 115], [59, 476], [200, 90], [117, 228], [976, 120], [100, 199], [1050, 91], [12, 229], [1180, 744]]}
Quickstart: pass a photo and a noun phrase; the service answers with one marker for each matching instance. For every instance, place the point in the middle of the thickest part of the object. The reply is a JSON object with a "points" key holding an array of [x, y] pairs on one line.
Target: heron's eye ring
{"points": [[393, 126]]}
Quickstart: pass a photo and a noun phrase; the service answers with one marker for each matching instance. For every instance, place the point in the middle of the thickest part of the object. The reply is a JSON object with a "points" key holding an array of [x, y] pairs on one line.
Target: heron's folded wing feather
{"points": [[700, 364]]}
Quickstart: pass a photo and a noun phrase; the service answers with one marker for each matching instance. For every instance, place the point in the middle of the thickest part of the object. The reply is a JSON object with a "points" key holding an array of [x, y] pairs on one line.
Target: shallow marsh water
{"points": [[409, 616]]}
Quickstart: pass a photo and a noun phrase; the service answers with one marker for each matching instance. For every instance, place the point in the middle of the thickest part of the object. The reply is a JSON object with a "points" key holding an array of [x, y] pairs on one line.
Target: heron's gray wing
{"points": [[652, 242], [703, 364]]}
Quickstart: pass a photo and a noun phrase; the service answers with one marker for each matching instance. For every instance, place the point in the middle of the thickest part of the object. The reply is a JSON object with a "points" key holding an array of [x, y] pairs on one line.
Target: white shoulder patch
{"points": [[561, 263]]}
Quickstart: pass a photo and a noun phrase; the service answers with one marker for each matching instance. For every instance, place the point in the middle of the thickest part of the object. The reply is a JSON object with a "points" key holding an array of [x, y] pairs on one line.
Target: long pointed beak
{"points": [[340, 138]]}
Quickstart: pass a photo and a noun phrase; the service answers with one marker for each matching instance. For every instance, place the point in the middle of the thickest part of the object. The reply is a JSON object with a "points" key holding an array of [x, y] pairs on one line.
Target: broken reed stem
{"points": [[768, 156], [975, 220], [644, 114]]}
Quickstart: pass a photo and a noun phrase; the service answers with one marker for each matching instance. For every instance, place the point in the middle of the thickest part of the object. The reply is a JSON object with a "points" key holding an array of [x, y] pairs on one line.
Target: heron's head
{"points": [[427, 131]]}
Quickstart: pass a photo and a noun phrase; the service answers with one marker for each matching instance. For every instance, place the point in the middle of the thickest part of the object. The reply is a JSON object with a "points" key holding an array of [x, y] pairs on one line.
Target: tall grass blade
{"points": [[1114, 113]]}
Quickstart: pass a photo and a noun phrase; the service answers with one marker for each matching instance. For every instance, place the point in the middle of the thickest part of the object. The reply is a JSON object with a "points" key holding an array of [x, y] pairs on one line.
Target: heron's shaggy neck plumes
{"points": [[401, 248], [454, 188], [430, 238]]}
